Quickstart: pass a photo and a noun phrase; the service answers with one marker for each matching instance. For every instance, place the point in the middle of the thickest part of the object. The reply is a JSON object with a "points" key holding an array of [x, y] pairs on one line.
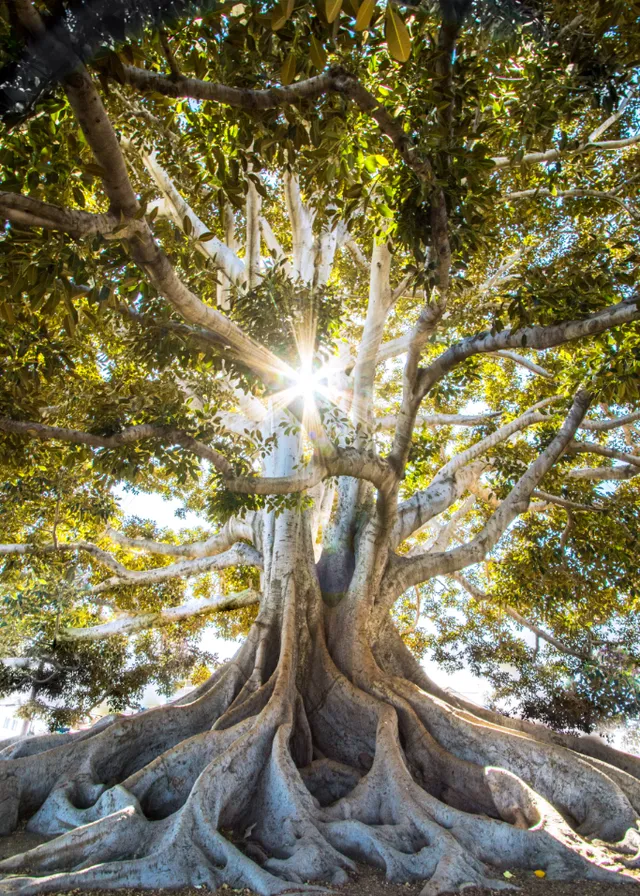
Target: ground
{"points": [[368, 882]]}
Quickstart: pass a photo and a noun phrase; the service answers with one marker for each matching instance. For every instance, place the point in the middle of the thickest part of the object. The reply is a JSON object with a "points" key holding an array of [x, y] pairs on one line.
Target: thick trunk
{"points": [[313, 748]]}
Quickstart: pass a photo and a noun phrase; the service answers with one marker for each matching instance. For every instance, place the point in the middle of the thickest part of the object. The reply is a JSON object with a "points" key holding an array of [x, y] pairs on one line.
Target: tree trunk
{"points": [[315, 747], [321, 743]]}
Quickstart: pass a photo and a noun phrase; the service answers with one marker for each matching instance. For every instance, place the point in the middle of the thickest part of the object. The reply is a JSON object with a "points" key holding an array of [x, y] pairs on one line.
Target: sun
{"points": [[306, 382]]}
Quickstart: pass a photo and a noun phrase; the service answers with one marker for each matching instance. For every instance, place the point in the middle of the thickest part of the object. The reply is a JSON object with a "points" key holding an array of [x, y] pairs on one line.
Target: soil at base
{"points": [[368, 882]]}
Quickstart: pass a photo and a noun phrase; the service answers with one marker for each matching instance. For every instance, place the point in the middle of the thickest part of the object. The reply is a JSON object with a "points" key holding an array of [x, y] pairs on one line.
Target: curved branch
{"points": [[238, 555], [551, 155], [344, 462], [127, 437], [233, 530], [237, 97], [612, 423], [570, 194], [535, 337], [577, 447], [102, 557], [423, 506], [28, 212], [128, 624]]}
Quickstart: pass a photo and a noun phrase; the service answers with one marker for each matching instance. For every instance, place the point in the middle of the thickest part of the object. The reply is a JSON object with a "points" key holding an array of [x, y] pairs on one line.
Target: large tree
{"points": [[377, 324]]}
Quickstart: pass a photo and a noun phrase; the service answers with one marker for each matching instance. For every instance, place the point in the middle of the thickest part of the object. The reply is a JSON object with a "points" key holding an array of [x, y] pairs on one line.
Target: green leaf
{"points": [[365, 14], [318, 54], [332, 9], [206, 236], [288, 70], [397, 36], [187, 225]]}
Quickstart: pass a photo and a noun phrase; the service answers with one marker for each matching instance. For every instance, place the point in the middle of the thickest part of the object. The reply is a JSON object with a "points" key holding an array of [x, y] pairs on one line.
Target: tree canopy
{"points": [[159, 298]]}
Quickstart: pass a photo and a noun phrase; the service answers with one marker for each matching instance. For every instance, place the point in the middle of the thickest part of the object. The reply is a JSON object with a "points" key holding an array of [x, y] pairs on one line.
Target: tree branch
{"points": [[406, 572], [344, 462], [481, 596], [577, 447], [535, 337], [128, 624], [612, 423], [128, 436], [234, 530], [238, 555], [573, 194]]}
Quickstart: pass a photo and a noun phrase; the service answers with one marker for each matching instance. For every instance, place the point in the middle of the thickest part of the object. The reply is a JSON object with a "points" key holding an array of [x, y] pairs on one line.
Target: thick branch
{"points": [[27, 212], [344, 462], [128, 624]]}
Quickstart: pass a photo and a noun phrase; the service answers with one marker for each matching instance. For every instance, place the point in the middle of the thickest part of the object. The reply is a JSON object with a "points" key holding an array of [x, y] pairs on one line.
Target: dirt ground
{"points": [[368, 882]]}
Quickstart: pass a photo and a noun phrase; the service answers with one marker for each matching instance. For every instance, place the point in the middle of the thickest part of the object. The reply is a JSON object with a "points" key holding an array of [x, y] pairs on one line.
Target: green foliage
{"points": [[87, 343]]}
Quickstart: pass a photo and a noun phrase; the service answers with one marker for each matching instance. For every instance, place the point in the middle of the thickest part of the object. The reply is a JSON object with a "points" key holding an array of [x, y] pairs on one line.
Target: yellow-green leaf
{"points": [[397, 36], [206, 236], [365, 14], [332, 9], [318, 54], [281, 14], [187, 225], [288, 70]]}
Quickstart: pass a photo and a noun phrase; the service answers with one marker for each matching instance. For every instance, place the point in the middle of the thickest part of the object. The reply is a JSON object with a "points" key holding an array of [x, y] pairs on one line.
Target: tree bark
{"points": [[320, 744]]}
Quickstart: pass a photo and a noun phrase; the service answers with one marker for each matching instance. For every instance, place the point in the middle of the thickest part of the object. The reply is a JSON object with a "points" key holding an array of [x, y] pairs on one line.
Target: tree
{"points": [[399, 395]]}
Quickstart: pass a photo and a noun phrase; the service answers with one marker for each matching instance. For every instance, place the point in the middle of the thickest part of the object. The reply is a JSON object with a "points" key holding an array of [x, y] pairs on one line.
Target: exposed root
{"points": [[281, 773]]}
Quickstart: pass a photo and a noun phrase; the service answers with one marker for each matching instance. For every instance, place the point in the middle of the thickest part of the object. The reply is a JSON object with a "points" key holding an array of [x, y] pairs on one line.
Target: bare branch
{"points": [[612, 423], [525, 362], [535, 337], [239, 98], [128, 624], [378, 306], [568, 505], [128, 436], [357, 254], [343, 462], [417, 511], [220, 254], [603, 474], [433, 420], [102, 557], [238, 555], [27, 212], [405, 572], [573, 194], [577, 447], [252, 230], [233, 530]]}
